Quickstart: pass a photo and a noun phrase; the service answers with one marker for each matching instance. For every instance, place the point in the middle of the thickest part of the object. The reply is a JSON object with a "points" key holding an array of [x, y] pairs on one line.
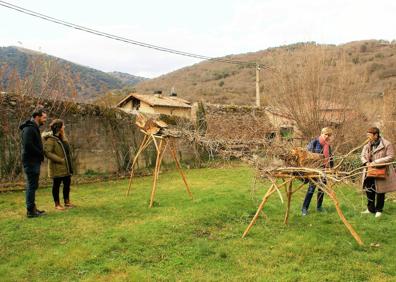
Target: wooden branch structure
{"points": [[154, 133], [324, 179], [327, 186]]}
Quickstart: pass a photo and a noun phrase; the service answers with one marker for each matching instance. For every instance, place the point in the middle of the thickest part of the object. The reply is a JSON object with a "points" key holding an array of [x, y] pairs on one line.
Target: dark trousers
{"points": [[66, 188], [308, 197], [32, 174], [371, 192]]}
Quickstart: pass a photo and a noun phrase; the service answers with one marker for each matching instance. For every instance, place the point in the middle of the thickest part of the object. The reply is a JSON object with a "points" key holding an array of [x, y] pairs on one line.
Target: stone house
{"points": [[156, 104], [284, 126], [331, 114]]}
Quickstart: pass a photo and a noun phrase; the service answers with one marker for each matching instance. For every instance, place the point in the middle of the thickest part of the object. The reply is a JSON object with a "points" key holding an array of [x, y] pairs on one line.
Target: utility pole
{"points": [[258, 104], [389, 113]]}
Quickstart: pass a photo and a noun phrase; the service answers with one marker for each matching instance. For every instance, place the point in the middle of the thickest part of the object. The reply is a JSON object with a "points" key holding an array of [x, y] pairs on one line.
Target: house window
{"points": [[270, 136], [135, 104], [286, 133]]}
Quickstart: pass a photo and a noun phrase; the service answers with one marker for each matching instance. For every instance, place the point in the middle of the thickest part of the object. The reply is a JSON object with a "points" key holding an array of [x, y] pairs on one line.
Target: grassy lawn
{"points": [[111, 237]]}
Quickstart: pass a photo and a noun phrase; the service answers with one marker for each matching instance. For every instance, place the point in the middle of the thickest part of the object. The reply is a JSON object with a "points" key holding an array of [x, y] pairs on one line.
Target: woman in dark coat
{"points": [[57, 150]]}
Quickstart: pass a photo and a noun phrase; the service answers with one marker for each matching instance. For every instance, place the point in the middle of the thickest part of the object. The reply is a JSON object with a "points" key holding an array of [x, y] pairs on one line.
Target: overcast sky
{"points": [[209, 27]]}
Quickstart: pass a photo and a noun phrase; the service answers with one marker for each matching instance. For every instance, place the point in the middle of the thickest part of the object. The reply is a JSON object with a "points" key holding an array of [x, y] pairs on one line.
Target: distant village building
{"points": [[330, 114], [284, 125], [156, 104]]}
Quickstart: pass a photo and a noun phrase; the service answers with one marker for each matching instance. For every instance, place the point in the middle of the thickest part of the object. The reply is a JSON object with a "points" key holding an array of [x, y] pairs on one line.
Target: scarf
{"points": [[326, 150], [372, 147]]}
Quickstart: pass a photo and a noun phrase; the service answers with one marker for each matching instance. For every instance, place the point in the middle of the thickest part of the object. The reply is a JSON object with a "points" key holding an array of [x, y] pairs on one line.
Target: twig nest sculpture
{"points": [[304, 158], [151, 125]]}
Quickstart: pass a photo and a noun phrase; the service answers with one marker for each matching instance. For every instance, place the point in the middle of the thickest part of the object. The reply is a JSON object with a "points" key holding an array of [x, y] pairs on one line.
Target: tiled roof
{"points": [[329, 111], [157, 100]]}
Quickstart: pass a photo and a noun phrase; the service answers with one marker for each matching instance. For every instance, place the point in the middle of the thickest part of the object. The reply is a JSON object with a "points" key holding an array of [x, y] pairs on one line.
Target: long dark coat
{"points": [[32, 146]]}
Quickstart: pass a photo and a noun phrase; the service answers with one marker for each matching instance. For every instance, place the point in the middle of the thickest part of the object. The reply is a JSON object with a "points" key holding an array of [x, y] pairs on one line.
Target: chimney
{"points": [[173, 92]]}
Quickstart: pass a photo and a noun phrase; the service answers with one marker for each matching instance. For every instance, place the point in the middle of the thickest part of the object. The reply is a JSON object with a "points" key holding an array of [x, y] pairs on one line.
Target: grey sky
{"points": [[212, 28]]}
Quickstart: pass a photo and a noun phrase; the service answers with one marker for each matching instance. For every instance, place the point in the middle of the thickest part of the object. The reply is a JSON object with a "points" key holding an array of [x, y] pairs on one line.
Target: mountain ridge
{"points": [[90, 83], [222, 83]]}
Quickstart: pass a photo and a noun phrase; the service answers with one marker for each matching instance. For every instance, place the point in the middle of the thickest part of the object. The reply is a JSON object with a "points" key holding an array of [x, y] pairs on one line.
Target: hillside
{"points": [[218, 82], [90, 83], [126, 78]]}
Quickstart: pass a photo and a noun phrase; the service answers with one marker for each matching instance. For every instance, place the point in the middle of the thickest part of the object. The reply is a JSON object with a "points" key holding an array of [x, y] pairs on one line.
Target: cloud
{"points": [[274, 23], [245, 26]]}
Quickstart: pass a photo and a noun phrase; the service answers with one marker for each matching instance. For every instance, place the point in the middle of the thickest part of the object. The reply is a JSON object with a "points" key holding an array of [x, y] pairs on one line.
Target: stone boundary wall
{"points": [[102, 139], [230, 122]]}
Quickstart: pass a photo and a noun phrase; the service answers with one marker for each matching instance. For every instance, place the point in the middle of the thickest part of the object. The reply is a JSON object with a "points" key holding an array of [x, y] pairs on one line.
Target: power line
{"points": [[123, 39]]}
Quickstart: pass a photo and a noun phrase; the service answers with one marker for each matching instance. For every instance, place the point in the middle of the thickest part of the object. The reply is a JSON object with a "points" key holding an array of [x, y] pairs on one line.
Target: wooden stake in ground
{"points": [[328, 189], [151, 131]]}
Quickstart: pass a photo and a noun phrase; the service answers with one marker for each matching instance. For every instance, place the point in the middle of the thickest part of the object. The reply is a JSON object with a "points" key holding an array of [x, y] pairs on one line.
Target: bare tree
{"points": [[317, 87], [44, 79]]}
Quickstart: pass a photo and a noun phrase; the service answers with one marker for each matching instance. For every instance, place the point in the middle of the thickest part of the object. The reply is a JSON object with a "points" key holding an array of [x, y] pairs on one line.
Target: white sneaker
{"points": [[365, 212], [378, 214]]}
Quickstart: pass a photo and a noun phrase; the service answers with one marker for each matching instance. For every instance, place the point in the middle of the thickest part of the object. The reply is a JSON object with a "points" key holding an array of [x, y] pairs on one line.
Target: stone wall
{"points": [[95, 134], [229, 122], [102, 139]]}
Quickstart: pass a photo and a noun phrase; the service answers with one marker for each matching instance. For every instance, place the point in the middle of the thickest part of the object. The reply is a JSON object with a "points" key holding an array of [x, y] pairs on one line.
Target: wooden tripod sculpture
{"points": [[153, 131], [323, 179], [287, 183]]}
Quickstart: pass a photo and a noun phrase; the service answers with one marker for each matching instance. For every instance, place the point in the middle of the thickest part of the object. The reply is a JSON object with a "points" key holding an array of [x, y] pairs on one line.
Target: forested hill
{"points": [[217, 82], [89, 83]]}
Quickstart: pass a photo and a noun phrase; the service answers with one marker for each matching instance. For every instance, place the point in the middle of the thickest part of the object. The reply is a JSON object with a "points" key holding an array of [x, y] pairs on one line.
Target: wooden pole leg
{"points": [[271, 190], [173, 152], [155, 173], [289, 195], [354, 234], [143, 145], [328, 189]]}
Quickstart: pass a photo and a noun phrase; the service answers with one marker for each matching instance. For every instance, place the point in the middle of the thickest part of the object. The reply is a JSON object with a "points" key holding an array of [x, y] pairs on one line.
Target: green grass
{"points": [[110, 237]]}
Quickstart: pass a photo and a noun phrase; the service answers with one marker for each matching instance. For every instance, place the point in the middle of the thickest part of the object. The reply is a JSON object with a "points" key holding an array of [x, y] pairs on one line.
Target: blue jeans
{"points": [[32, 172], [308, 197]]}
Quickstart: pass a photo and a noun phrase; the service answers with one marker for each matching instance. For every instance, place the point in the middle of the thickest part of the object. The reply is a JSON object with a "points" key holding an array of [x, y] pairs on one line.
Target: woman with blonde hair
{"points": [[319, 145], [60, 169]]}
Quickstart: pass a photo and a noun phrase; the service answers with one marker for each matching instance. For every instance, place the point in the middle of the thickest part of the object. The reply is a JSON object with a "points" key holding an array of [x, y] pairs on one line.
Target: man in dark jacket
{"points": [[319, 145], [32, 156]]}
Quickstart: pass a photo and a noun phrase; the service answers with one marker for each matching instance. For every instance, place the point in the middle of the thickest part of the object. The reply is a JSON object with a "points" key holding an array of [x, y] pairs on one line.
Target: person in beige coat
{"points": [[60, 169], [378, 151]]}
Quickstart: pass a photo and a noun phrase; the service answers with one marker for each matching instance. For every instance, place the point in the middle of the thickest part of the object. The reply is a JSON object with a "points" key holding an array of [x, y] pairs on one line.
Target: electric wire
{"points": [[126, 40]]}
